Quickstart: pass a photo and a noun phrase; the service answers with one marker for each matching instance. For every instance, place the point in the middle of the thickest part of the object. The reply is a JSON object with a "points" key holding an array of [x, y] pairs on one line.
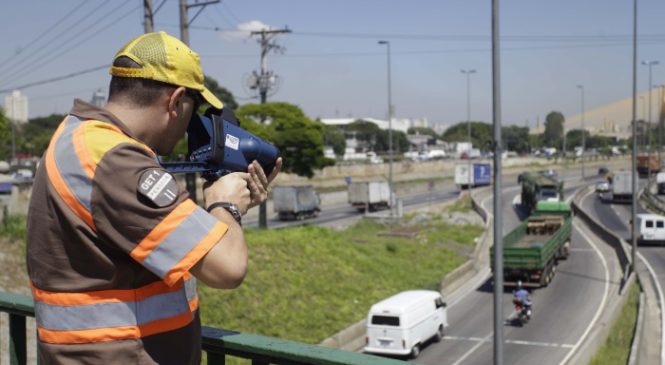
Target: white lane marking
{"points": [[605, 294], [652, 272], [474, 348], [516, 342]]}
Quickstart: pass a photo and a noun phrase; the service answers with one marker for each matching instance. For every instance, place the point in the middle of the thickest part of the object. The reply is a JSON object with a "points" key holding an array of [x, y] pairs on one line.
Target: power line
{"points": [[48, 81], [30, 68], [29, 57], [47, 31]]}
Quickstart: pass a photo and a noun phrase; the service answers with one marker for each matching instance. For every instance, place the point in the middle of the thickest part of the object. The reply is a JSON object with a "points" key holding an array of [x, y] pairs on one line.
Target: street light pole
{"points": [[581, 87], [468, 122], [390, 132], [650, 64]]}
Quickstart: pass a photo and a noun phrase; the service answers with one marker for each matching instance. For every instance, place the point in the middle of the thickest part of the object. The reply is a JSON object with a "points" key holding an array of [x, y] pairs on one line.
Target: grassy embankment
{"points": [[308, 283], [616, 349]]}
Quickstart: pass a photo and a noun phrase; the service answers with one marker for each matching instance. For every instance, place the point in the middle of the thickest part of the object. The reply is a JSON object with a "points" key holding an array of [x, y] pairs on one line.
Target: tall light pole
{"points": [[581, 87], [468, 120], [660, 119], [650, 64], [497, 203], [390, 131]]}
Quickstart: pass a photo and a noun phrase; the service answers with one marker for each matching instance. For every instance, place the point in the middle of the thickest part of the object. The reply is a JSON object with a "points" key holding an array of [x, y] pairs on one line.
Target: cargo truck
{"points": [[622, 187], [648, 163], [537, 187], [481, 175], [295, 202], [531, 251], [369, 195]]}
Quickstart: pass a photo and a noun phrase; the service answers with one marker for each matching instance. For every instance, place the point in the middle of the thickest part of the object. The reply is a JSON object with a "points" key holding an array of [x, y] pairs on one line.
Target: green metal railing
{"points": [[217, 343]]}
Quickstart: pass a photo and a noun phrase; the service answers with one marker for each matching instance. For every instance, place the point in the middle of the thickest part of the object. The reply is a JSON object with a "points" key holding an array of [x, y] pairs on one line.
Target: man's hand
{"points": [[231, 188], [258, 182]]}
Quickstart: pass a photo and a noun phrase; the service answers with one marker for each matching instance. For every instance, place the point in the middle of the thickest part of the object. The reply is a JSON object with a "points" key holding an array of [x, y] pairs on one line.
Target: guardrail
{"points": [[217, 343], [599, 230]]}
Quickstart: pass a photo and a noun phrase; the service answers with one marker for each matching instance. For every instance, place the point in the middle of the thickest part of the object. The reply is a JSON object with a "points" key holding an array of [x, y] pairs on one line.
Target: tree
{"points": [[481, 134], [222, 93], [34, 137], [5, 136], [574, 138], [366, 132], [515, 138], [423, 130], [553, 134], [332, 136], [299, 138]]}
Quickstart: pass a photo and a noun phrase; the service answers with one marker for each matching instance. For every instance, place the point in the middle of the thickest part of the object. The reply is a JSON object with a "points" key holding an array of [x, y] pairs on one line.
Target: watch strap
{"points": [[229, 207]]}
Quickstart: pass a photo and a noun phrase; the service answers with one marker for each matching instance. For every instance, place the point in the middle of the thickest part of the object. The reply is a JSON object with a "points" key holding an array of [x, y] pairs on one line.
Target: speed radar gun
{"points": [[218, 146]]}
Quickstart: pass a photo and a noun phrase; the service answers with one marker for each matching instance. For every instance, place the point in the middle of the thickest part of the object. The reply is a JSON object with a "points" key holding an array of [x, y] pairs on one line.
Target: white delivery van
{"points": [[651, 228], [401, 324]]}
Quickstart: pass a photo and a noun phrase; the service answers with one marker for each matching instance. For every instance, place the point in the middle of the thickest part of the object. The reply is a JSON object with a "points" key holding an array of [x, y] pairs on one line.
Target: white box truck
{"points": [[295, 202], [622, 187], [369, 195], [402, 324], [481, 174]]}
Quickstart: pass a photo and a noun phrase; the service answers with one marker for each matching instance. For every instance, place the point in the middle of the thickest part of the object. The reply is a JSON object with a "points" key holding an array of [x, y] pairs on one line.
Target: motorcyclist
{"points": [[521, 298]]}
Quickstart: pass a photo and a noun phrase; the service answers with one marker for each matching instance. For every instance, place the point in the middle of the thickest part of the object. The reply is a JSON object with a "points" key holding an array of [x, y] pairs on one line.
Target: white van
{"points": [[651, 228], [401, 324]]}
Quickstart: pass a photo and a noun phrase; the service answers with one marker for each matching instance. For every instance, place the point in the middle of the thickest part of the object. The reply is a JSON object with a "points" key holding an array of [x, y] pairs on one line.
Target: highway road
{"points": [[563, 312]]}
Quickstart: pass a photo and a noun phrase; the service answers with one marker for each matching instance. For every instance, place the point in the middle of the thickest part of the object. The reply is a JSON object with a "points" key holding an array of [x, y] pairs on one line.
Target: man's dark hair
{"points": [[135, 90]]}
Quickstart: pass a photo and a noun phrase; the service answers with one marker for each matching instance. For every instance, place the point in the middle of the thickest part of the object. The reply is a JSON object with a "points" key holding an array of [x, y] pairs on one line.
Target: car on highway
{"points": [[602, 186], [603, 171]]}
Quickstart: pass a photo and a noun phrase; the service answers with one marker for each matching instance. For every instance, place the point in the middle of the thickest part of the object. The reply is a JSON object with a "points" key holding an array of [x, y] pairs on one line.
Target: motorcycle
{"points": [[521, 315]]}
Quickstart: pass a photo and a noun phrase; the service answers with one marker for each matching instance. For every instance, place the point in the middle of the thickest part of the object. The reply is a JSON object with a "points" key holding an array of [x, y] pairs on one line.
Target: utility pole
{"points": [[184, 16], [390, 132], [468, 123], [498, 220], [148, 21], [190, 178], [633, 213], [650, 64], [581, 87], [264, 82]]}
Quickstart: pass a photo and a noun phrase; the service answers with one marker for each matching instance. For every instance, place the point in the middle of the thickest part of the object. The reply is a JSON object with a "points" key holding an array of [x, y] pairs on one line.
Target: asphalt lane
{"points": [[562, 314]]}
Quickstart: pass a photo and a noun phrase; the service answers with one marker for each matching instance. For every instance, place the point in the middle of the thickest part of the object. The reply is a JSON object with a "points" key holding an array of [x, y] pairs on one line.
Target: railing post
{"points": [[17, 347], [216, 359]]}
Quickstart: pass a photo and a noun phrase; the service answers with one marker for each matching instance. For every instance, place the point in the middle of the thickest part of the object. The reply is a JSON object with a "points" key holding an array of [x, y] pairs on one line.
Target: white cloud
{"points": [[242, 32]]}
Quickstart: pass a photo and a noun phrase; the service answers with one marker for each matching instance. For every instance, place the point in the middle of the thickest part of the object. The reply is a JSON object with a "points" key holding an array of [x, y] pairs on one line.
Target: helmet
{"points": [[519, 284]]}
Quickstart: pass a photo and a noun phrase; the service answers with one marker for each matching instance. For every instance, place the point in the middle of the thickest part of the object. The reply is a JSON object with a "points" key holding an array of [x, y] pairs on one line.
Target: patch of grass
{"points": [[13, 227], [617, 346], [307, 283], [461, 205], [445, 232]]}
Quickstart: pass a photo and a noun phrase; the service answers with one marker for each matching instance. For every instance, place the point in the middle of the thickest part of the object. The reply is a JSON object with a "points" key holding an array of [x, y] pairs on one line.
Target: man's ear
{"points": [[175, 101]]}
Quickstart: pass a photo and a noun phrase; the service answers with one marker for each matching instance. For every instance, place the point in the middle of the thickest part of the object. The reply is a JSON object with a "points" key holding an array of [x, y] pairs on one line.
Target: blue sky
{"points": [[333, 66]]}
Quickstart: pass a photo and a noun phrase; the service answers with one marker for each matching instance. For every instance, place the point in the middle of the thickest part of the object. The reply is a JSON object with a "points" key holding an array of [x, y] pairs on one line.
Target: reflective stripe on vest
{"points": [[174, 244], [109, 315], [71, 160]]}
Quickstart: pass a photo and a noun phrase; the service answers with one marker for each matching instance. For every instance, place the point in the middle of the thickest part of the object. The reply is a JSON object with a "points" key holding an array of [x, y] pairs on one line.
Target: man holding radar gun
{"points": [[115, 245]]}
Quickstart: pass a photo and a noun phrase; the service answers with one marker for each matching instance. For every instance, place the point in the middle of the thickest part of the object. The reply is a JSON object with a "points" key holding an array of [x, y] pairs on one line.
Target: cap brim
{"points": [[211, 99]]}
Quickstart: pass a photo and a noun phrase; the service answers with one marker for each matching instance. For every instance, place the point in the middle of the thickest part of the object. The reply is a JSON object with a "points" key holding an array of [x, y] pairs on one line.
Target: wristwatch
{"points": [[229, 207]]}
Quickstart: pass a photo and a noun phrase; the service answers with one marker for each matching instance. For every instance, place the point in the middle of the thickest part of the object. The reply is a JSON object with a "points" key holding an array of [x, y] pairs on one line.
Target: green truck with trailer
{"points": [[531, 251], [537, 187]]}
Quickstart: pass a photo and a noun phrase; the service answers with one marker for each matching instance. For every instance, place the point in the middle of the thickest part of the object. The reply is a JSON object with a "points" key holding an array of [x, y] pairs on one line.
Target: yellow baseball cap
{"points": [[165, 58]]}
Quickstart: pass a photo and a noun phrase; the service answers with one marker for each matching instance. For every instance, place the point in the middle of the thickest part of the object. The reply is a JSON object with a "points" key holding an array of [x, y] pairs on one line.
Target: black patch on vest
{"points": [[159, 187]]}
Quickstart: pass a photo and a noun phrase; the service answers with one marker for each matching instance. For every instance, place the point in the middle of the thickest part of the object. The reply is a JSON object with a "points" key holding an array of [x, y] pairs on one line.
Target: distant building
{"points": [[98, 98], [16, 107]]}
